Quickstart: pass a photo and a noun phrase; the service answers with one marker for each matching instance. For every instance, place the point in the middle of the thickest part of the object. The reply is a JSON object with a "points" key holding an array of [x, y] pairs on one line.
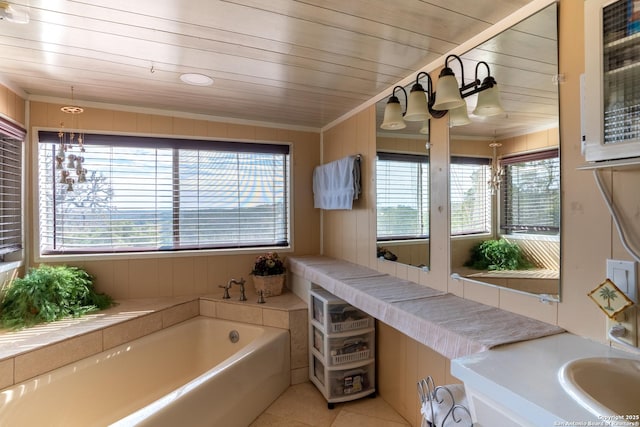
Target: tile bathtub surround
{"points": [[285, 311], [42, 348]]}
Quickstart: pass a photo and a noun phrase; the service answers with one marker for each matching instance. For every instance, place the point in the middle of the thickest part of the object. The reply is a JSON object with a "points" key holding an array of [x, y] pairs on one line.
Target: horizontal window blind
{"points": [[10, 196], [402, 190], [531, 194], [173, 195], [469, 195]]}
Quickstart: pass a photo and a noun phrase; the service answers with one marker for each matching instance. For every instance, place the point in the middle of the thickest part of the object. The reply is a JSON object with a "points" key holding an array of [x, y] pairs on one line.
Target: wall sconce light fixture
{"points": [[450, 96], [423, 105], [393, 114]]}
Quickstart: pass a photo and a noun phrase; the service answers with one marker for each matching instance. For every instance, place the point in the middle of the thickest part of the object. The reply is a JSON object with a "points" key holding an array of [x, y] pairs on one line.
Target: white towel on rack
{"points": [[334, 184]]}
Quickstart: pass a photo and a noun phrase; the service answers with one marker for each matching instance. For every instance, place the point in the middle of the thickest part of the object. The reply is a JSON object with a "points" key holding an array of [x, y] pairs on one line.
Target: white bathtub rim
{"points": [[152, 408]]}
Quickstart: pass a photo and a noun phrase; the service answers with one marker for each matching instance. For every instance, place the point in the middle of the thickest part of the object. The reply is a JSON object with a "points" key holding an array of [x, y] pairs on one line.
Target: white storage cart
{"points": [[342, 348]]}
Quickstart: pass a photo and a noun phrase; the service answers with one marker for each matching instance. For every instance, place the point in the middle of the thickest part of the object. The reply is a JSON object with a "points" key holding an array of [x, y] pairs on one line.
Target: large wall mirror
{"points": [[505, 174], [402, 193], [505, 169]]}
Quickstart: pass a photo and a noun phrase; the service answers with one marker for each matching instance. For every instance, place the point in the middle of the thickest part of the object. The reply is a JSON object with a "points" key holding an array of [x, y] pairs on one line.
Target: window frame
{"points": [[415, 159], [189, 143], [521, 230], [471, 160], [16, 133]]}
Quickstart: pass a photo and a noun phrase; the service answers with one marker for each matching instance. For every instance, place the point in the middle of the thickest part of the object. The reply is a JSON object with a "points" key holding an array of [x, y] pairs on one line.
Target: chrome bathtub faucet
{"points": [[240, 283]]}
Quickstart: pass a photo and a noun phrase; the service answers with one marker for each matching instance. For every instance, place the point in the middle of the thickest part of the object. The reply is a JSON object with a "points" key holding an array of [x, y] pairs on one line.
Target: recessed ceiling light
{"points": [[196, 79]]}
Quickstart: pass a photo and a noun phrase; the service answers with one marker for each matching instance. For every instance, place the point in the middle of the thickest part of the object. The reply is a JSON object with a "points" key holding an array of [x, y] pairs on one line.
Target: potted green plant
{"points": [[268, 274], [498, 255], [47, 293]]}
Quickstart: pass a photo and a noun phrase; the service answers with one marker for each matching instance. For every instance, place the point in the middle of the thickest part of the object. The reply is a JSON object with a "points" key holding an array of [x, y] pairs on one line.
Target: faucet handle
{"points": [[226, 292]]}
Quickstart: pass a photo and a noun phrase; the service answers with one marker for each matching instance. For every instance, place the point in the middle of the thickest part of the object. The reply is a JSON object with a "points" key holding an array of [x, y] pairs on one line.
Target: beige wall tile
{"points": [[236, 131], [217, 130], [200, 128], [125, 122], [143, 123], [95, 119], [180, 313], [6, 373], [276, 318], [299, 332], [300, 375], [522, 304], [481, 293], [43, 360], [162, 125], [391, 354], [143, 278], [201, 283], [208, 308], [132, 329], [183, 276], [182, 126], [239, 312], [10, 106], [4, 99], [165, 278]]}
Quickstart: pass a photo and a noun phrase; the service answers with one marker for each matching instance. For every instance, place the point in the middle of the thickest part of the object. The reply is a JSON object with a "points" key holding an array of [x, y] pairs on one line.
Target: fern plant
{"points": [[498, 255], [49, 293]]}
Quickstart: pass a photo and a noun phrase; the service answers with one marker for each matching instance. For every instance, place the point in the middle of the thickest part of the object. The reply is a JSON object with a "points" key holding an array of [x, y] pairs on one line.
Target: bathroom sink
{"points": [[605, 386]]}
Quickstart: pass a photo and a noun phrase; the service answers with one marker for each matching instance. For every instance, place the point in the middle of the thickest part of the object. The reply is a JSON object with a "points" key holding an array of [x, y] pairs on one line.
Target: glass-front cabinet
{"points": [[611, 88]]}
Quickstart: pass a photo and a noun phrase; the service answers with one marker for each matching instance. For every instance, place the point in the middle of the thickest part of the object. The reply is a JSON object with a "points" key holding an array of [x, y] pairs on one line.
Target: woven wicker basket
{"points": [[269, 285]]}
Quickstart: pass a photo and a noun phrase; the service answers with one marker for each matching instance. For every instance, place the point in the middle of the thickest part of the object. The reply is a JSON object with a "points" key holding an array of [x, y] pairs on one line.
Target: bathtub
{"points": [[190, 374]]}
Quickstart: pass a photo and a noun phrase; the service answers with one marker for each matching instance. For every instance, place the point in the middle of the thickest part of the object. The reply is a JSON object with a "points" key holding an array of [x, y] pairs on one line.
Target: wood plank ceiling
{"points": [[297, 63]]}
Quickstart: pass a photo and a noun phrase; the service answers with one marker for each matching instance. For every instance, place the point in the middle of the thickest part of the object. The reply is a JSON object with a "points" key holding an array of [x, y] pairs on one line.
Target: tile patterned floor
{"points": [[302, 405]]}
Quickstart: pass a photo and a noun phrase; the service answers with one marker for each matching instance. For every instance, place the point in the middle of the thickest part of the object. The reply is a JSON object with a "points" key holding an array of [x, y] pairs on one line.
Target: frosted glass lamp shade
{"points": [[459, 116], [393, 115], [448, 93], [417, 108], [425, 128], [488, 102]]}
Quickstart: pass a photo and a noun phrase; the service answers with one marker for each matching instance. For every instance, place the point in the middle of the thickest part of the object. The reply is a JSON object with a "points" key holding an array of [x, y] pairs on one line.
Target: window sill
{"points": [[162, 254], [10, 266]]}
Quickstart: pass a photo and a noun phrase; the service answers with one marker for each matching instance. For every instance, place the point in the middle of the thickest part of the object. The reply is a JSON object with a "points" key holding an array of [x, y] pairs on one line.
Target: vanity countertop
{"points": [[451, 325], [524, 377]]}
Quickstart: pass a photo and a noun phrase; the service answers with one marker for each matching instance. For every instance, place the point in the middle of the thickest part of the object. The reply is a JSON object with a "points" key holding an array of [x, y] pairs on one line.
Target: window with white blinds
{"points": [[402, 191], [10, 199], [159, 194], [470, 196], [531, 194]]}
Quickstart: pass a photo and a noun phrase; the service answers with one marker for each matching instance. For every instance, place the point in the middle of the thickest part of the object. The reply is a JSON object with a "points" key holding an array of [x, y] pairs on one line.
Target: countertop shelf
{"points": [[450, 325]]}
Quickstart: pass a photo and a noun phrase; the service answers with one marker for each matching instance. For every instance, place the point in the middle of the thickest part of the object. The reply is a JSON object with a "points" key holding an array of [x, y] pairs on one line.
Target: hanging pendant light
{"points": [[393, 112]]}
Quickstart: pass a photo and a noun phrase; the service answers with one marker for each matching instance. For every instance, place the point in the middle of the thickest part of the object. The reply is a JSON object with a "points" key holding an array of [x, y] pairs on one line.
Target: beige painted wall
{"points": [[178, 274], [588, 235], [12, 105]]}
